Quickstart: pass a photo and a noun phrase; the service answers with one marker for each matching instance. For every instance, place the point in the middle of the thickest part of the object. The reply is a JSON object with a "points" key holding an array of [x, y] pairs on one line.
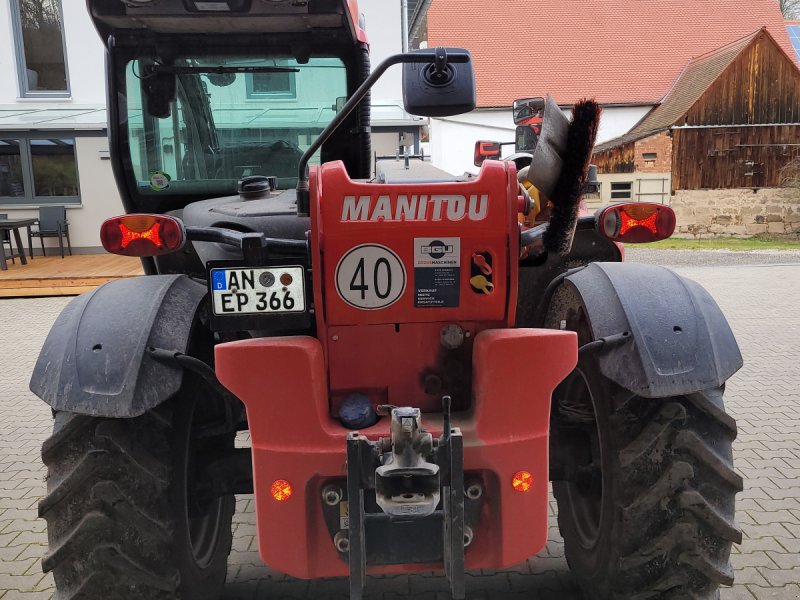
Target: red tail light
{"points": [[636, 223], [142, 235]]}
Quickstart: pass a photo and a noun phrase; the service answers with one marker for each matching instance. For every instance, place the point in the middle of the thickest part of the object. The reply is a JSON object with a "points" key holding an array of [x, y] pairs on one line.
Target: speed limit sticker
{"points": [[370, 277]]}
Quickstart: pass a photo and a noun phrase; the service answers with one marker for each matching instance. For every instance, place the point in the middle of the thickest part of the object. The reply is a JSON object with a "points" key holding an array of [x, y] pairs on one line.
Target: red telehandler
{"points": [[413, 366]]}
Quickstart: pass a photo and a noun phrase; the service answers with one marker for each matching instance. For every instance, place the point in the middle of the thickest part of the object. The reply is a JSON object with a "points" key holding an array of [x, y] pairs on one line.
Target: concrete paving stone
{"points": [[785, 560], [754, 559], [19, 583], [780, 577], [789, 592], [29, 595], [786, 503], [786, 517], [737, 592]]}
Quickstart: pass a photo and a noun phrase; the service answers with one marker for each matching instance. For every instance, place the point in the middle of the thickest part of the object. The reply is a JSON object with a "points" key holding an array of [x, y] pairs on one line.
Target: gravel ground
{"points": [[710, 258]]}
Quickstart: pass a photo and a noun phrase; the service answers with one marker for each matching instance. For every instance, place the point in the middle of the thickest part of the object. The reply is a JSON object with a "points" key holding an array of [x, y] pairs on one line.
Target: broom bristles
{"points": [[569, 188]]}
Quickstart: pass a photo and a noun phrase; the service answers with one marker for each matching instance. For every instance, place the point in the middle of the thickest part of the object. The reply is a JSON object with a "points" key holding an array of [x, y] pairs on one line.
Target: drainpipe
{"points": [[404, 23]]}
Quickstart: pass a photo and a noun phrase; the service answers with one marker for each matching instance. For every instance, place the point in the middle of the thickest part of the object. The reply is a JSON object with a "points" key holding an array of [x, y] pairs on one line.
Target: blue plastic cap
{"points": [[357, 412]]}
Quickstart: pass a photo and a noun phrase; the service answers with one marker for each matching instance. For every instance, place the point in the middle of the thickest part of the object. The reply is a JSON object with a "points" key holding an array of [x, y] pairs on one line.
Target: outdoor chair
{"points": [[5, 238], [52, 222]]}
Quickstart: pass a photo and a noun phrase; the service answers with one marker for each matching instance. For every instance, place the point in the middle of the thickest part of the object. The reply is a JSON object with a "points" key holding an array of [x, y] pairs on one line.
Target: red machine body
{"points": [[415, 288]]}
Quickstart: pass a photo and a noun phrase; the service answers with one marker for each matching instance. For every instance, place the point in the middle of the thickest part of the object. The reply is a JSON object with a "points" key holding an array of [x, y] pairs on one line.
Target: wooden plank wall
{"points": [[762, 85], [732, 157], [762, 88], [616, 160]]}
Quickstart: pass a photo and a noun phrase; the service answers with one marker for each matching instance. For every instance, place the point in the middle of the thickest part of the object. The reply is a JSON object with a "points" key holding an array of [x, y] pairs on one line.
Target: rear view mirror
{"points": [[486, 151], [441, 87], [528, 111], [159, 94]]}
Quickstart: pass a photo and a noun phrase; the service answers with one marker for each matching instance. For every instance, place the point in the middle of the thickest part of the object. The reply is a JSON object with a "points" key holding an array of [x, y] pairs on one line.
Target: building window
{"points": [[650, 159], [272, 85], [41, 57], [38, 170], [11, 184], [621, 190]]}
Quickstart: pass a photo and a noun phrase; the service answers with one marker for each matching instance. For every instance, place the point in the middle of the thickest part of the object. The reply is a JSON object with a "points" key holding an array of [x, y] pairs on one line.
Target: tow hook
{"points": [[406, 483]]}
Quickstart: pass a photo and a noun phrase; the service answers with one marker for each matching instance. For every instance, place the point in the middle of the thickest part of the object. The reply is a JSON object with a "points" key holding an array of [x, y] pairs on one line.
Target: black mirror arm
{"points": [[303, 193]]}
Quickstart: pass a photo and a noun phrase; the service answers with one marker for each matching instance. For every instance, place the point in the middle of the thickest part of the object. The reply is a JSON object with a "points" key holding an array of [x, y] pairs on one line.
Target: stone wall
{"points": [[737, 212]]}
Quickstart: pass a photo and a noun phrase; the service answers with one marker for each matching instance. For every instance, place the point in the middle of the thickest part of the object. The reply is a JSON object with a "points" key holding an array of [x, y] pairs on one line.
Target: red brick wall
{"points": [[659, 144]]}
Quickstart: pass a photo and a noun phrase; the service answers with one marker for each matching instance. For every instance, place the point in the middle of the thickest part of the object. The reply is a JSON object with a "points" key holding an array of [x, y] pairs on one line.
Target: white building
{"points": [[53, 146], [53, 131]]}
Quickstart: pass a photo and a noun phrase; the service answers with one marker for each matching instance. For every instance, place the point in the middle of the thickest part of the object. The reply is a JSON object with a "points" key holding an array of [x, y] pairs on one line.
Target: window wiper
{"points": [[172, 70]]}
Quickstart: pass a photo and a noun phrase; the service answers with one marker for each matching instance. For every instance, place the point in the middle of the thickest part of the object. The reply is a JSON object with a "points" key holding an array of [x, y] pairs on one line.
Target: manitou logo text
{"points": [[415, 208]]}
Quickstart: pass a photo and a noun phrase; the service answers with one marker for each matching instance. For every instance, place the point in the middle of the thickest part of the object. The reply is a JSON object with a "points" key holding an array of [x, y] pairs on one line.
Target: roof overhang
{"points": [[226, 17], [41, 117]]}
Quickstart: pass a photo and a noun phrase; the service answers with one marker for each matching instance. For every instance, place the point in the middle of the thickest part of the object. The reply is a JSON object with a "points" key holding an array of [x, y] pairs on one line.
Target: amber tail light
{"points": [[636, 223], [142, 235]]}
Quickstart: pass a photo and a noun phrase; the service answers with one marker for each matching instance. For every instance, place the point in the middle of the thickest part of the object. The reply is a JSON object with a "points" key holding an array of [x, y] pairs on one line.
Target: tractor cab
{"points": [[206, 94]]}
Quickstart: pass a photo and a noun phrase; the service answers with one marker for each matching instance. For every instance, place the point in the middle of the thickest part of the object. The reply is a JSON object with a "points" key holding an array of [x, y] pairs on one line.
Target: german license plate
{"points": [[271, 290]]}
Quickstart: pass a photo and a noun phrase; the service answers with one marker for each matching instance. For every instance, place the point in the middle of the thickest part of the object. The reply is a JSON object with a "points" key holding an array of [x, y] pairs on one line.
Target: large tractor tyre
{"points": [[647, 489], [124, 517]]}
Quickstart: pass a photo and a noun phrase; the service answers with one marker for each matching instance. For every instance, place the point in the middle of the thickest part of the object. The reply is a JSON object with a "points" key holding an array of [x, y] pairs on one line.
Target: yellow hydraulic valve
{"points": [[536, 198]]}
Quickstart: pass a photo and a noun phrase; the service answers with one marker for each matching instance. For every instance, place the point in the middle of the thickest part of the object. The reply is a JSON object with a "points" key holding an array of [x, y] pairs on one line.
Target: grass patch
{"points": [[758, 242]]}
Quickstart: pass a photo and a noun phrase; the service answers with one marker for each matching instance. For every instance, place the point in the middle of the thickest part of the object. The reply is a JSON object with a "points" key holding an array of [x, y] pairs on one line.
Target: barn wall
{"points": [[762, 85], [660, 145], [733, 157], [617, 160]]}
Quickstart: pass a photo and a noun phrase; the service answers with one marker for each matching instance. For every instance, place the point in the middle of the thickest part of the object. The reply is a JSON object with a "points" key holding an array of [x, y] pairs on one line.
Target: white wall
{"points": [[453, 138], [99, 198], [383, 26], [646, 187], [85, 56]]}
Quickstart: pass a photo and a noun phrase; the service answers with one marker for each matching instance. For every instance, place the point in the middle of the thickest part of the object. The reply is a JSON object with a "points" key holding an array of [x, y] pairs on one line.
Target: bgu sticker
{"points": [[370, 277]]}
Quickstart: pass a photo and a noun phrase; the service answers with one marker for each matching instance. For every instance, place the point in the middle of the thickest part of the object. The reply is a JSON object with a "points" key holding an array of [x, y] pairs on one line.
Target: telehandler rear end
{"points": [[413, 365]]}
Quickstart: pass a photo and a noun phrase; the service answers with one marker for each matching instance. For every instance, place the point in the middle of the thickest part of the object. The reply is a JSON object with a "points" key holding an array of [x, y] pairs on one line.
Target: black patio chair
{"points": [[52, 222], [5, 238]]}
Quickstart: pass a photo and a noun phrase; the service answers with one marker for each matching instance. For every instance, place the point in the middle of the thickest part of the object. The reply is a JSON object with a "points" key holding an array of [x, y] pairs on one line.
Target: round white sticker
{"points": [[370, 277]]}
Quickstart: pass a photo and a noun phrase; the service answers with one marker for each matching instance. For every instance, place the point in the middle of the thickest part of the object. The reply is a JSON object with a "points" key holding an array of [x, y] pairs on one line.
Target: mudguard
{"points": [[681, 342], [95, 361]]}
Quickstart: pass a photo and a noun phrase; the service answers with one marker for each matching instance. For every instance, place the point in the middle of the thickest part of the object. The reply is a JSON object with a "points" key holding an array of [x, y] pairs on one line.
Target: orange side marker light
{"points": [[281, 490], [522, 481]]}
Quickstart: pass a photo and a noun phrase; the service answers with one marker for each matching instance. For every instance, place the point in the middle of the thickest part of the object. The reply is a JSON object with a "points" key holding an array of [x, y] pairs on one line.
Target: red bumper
{"points": [[283, 383]]}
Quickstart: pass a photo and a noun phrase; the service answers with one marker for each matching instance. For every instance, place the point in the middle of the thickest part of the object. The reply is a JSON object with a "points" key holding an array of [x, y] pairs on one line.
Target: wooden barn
{"points": [[730, 121]]}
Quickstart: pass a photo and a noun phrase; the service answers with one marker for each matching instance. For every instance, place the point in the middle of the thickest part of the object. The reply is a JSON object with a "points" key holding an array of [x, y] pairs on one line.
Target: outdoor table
{"points": [[13, 226]]}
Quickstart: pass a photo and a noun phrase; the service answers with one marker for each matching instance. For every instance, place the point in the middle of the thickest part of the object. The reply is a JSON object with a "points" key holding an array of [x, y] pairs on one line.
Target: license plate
{"points": [[272, 290]]}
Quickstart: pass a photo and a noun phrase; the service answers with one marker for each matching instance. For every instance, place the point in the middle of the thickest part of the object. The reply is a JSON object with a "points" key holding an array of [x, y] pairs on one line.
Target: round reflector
{"points": [[522, 481], [281, 490]]}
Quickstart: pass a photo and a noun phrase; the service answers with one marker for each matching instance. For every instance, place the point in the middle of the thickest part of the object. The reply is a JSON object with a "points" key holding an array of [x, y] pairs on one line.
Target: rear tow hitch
{"points": [[414, 491]]}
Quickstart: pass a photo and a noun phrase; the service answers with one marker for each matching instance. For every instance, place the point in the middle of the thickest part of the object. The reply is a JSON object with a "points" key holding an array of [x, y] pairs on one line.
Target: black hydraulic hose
{"points": [[195, 365], [607, 342]]}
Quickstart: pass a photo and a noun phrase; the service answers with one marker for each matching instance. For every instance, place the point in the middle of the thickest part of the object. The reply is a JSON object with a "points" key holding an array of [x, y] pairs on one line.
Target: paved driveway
{"points": [[763, 307]]}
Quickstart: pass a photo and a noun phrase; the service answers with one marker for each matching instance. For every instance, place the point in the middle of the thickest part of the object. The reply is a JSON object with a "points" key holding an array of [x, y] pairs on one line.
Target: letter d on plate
{"points": [[370, 277]]}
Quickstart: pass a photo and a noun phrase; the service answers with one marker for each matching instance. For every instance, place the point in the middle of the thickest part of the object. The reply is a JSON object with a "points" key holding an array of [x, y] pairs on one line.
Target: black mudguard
{"points": [[95, 360], [681, 342]]}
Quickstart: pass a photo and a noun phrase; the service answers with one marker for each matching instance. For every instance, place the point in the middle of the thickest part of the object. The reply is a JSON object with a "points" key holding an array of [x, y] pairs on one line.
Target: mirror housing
{"points": [[160, 91], [528, 110], [486, 151], [441, 87]]}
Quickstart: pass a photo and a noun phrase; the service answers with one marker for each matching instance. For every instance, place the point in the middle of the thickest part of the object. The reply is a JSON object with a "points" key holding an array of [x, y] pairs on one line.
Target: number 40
{"points": [[358, 282]]}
